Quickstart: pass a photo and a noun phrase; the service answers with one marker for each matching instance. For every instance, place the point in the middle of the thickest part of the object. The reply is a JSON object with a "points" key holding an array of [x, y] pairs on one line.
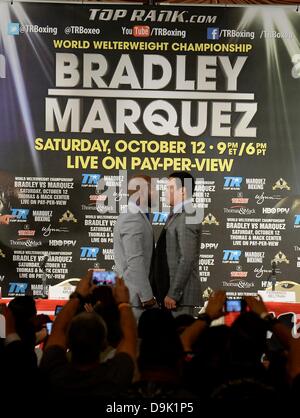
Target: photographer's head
{"points": [[24, 311], [160, 345], [180, 187], [87, 338]]}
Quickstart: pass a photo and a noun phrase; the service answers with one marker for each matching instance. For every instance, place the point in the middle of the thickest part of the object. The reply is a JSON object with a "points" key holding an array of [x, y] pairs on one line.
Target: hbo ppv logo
{"points": [[273, 211], [62, 243]]}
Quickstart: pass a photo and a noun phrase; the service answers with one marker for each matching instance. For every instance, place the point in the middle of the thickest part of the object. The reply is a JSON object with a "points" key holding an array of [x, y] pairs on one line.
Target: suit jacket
{"points": [[183, 242], [133, 247]]}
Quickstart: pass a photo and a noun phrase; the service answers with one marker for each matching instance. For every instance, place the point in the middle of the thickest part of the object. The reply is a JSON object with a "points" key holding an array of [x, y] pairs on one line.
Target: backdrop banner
{"points": [[93, 93]]}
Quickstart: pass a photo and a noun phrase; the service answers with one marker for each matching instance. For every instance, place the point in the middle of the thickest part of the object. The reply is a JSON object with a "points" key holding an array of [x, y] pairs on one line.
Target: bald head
{"points": [[87, 337]]}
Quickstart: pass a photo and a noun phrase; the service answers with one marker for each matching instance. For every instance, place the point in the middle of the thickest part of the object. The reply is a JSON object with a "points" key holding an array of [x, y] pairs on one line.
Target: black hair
{"points": [[160, 343], [184, 178], [24, 311]]}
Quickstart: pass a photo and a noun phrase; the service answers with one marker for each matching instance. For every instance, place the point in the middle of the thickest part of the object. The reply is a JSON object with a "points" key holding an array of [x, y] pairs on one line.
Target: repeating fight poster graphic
{"points": [[93, 93]]}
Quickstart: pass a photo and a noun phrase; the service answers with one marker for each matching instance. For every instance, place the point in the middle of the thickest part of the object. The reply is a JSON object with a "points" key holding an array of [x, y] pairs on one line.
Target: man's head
{"points": [[160, 344], [180, 187], [23, 308], [87, 338], [24, 311], [142, 192]]}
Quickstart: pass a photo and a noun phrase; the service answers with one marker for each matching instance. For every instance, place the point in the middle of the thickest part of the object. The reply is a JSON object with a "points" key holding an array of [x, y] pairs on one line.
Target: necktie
{"points": [[170, 217]]}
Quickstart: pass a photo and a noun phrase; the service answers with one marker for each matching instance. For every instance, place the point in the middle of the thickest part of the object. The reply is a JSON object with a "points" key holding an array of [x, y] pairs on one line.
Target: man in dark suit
{"points": [[176, 281]]}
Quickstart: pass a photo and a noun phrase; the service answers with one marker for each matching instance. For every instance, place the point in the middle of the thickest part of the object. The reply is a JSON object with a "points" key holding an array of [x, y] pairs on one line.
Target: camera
{"points": [[104, 278], [234, 305]]}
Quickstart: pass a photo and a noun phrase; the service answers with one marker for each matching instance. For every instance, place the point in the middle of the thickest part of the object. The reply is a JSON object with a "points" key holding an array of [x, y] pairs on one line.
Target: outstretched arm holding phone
{"points": [[280, 330], [58, 336], [128, 343], [85, 335], [214, 310]]}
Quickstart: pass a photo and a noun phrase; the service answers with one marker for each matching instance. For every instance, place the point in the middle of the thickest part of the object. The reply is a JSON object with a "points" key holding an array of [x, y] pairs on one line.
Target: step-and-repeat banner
{"points": [[93, 93]]}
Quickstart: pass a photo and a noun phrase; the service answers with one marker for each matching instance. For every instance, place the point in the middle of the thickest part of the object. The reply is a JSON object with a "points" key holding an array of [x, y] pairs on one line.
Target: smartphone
{"points": [[49, 327], [104, 278], [58, 308], [234, 305]]}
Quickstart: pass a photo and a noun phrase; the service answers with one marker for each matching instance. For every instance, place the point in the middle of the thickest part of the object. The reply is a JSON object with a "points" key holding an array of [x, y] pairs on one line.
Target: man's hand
{"points": [[170, 303], [214, 308], [149, 303], [5, 219], [89, 307], [120, 292], [256, 305], [85, 286]]}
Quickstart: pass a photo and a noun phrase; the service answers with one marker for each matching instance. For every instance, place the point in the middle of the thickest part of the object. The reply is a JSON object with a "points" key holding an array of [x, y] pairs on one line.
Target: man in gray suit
{"points": [[176, 268], [134, 243]]}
